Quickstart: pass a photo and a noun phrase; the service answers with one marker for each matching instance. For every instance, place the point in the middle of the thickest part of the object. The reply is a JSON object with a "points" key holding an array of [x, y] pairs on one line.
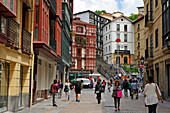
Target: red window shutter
{"points": [[81, 29]]}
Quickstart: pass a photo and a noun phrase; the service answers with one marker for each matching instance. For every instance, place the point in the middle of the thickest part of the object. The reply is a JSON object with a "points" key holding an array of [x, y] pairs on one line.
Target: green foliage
{"points": [[129, 69], [78, 40], [100, 12], [133, 16]]}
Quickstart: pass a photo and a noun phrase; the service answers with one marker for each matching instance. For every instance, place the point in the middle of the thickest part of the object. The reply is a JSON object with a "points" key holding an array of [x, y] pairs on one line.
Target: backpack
{"points": [[66, 88], [78, 85]]}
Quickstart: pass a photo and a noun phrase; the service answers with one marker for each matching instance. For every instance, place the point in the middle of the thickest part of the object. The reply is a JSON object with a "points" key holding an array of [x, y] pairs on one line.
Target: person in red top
{"points": [[104, 85], [54, 89]]}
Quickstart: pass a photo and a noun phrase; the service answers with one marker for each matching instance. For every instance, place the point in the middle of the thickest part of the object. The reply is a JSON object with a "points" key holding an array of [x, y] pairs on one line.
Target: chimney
{"points": [[77, 18]]}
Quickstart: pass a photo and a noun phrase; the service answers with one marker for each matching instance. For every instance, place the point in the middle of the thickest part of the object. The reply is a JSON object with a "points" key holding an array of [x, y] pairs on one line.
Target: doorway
{"points": [[21, 85], [125, 60]]}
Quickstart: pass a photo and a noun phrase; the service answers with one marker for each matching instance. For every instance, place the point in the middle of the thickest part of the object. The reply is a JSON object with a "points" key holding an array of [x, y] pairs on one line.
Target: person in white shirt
{"points": [[151, 98], [67, 90]]}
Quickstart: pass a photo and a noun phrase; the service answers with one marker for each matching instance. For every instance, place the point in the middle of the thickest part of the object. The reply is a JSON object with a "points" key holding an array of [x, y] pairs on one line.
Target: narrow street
{"points": [[88, 104]]}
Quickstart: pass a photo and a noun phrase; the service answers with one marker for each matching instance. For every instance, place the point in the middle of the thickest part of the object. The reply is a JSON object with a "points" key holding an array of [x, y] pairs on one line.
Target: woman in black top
{"points": [[97, 91]]}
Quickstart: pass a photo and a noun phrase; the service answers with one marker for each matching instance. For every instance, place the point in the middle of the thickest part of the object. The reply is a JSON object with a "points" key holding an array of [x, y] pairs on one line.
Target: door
{"points": [[125, 60]]}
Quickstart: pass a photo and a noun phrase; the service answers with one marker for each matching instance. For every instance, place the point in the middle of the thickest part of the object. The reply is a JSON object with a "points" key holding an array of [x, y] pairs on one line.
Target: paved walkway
{"points": [[88, 104]]}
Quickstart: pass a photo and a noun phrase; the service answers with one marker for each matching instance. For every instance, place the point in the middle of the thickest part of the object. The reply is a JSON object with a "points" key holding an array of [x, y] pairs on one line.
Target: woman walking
{"points": [[97, 91], [60, 88], [152, 93], [116, 89], [67, 90]]}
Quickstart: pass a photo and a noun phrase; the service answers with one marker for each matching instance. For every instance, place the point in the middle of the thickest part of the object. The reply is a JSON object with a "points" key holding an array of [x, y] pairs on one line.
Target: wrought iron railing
{"points": [[53, 44], [26, 41], [13, 32]]}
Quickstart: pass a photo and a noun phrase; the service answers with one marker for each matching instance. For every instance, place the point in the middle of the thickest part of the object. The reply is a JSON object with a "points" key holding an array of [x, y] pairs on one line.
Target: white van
{"points": [[86, 82]]}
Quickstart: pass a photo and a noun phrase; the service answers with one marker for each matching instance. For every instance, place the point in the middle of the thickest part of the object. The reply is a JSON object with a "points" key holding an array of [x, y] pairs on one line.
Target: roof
{"points": [[89, 11], [81, 22], [139, 19], [118, 18]]}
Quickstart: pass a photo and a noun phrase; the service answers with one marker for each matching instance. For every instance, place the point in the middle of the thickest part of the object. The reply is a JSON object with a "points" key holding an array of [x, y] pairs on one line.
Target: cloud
{"points": [[130, 6], [93, 5]]}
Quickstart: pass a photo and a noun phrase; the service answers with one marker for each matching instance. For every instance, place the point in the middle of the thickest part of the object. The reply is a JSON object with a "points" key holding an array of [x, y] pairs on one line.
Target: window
{"points": [[12, 5], [125, 28], [118, 35], [156, 3], [37, 1], [125, 47], [37, 15], [138, 36], [109, 26], [106, 28], [79, 29], [109, 48], [109, 36], [118, 27], [138, 26], [125, 37], [106, 49], [3, 25], [121, 19], [138, 45], [118, 47], [106, 38], [36, 34], [156, 38]]}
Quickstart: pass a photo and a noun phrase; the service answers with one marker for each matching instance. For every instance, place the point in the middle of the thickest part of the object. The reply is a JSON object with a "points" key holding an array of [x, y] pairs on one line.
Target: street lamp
{"points": [[142, 60], [168, 42]]}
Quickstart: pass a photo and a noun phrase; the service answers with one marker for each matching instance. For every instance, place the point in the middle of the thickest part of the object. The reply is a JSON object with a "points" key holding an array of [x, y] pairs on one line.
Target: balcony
{"points": [[53, 44], [11, 37], [26, 41], [7, 8], [149, 54], [53, 6], [149, 19]]}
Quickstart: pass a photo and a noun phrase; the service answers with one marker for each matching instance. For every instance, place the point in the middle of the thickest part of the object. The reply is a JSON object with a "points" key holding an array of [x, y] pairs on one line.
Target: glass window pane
{"points": [[36, 34], [3, 25], [37, 1], [12, 5], [37, 15]]}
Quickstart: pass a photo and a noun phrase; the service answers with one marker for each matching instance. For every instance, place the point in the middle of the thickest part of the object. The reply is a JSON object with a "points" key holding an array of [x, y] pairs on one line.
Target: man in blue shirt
{"points": [[133, 88]]}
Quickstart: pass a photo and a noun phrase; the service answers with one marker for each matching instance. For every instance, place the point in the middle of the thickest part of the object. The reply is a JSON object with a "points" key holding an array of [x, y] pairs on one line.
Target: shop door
{"points": [[125, 60], [20, 87], [4, 83]]}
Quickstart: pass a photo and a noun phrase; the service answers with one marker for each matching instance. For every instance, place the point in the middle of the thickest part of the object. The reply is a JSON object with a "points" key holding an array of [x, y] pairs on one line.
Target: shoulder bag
{"points": [[157, 93]]}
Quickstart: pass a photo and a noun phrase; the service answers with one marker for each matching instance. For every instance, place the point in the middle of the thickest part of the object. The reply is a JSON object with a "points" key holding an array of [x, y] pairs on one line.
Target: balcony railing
{"points": [[149, 53], [149, 19], [53, 44], [53, 5], [13, 32], [26, 41]]}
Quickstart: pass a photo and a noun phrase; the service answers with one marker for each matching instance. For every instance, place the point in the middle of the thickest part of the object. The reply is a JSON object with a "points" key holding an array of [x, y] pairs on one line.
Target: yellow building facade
{"points": [[16, 54], [157, 55]]}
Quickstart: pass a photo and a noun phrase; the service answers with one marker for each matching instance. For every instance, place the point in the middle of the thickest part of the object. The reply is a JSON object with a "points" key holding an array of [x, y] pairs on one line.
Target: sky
{"points": [[125, 6]]}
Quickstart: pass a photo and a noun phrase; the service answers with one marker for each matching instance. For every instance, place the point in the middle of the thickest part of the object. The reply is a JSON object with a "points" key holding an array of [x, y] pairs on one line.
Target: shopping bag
{"points": [[119, 93]]}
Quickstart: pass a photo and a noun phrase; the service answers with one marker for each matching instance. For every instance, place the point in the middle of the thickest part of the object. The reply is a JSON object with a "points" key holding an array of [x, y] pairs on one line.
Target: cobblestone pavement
{"points": [[88, 104]]}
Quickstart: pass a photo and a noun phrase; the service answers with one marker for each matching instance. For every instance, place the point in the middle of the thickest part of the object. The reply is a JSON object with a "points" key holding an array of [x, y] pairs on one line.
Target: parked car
{"points": [[86, 82]]}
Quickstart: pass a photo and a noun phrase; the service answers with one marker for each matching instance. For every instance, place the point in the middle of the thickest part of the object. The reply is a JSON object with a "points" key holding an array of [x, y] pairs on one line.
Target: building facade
{"points": [[123, 52], [157, 55], [67, 17], [47, 46], [95, 19], [139, 40], [16, 54], [83, 48]]}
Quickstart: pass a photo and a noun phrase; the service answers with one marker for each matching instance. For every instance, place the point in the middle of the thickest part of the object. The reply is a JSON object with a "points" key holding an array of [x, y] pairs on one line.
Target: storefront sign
{"points": [[122, 51]]}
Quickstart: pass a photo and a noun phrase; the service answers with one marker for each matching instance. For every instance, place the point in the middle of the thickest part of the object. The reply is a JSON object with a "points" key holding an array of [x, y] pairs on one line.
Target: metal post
{"points": [[118, 57]]}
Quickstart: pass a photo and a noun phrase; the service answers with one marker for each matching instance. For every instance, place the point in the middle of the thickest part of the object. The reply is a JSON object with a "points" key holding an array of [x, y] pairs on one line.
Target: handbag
{"points": [[101, 89], [119, 93], [157, 93]]}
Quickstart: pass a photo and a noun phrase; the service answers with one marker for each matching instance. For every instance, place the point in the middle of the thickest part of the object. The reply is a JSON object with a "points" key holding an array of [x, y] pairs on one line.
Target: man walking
{"points": [[54, 90], [77, 89], [133, 88], [125, 87]]}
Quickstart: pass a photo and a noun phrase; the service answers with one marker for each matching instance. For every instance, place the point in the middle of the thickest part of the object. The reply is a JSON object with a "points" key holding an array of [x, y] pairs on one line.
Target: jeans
{"points": [[60, 93], [53, 98], [117, 99], [98, 97], [152, 108]]}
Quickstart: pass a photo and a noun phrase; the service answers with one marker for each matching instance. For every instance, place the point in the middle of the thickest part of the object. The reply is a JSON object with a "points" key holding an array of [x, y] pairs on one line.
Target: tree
{"points": [[100, 12], [133, 16]]}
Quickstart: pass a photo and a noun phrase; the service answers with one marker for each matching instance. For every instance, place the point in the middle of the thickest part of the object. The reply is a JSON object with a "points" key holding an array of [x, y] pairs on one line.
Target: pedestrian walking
{"points": [[137, 89], [125, 87], [133, 89], [117, 94], [109, 86], [67, 90], [60, 84], [130, 83], [54, 90], [104, 85], [152, 94], [77, 89], [98, 92]]}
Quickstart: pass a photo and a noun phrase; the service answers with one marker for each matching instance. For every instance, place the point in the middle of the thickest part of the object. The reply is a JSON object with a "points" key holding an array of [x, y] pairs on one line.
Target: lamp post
{"points": [[141, 65], [168, 41]]}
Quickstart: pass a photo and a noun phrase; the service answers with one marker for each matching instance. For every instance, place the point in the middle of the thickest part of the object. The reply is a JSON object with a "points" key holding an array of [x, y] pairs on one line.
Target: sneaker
{"points": [[55, 105], [78, 100]]}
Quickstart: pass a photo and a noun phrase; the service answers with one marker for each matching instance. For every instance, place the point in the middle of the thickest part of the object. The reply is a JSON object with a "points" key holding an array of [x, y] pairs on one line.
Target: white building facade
{"points": [[123, 29]]}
